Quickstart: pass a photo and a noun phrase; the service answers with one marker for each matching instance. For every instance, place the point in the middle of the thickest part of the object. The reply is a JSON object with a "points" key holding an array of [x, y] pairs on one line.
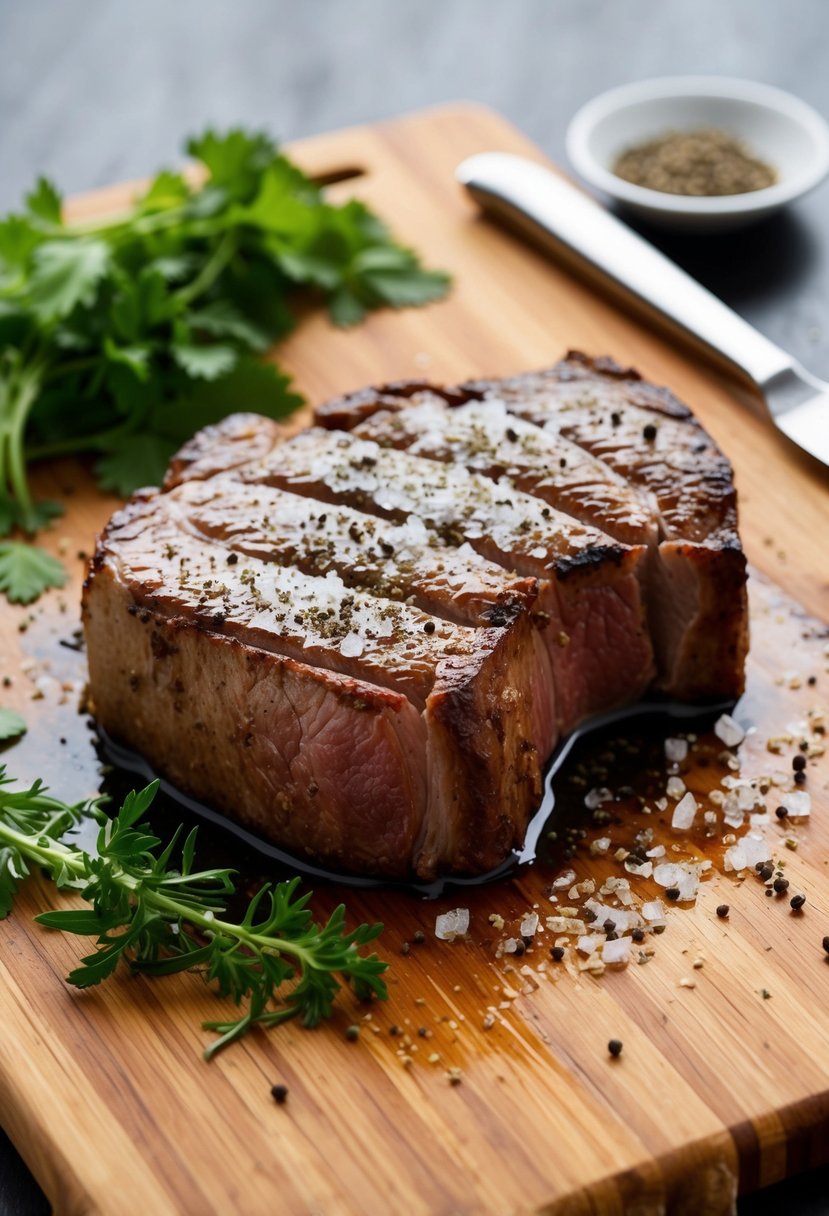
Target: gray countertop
{"points": [[93, 91]]}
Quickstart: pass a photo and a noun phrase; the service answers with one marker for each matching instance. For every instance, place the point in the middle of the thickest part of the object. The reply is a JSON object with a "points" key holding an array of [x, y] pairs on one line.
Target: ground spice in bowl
{"points": [[701, 162]]}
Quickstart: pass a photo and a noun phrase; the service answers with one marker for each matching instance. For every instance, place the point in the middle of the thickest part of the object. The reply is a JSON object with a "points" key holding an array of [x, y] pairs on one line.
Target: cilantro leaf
{"points": [[12, 726], [123, 337], [44, 202], [221, 318], [409, 288], [27, 571], [134, 461], [204, 362], [66, 273], [259, 387]]}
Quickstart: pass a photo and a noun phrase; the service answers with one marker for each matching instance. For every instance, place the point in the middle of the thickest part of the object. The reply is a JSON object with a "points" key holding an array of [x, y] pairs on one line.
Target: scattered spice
{"points": [[701, 163], [615, 1048]]}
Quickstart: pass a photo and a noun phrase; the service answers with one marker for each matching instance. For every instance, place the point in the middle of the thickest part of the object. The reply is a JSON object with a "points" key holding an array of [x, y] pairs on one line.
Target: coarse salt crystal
{"points": [[352, 646], [729, 731], [529, 924], [735, 857], [617, 952], [756, 848], [644, 869], [798, 803], [589, 943], [675, 787], [452, 924], [676, 750], [684, 813], [596, 797], [657, 851], [601, 845], [564, 880], [653, 910], [683, 875]]}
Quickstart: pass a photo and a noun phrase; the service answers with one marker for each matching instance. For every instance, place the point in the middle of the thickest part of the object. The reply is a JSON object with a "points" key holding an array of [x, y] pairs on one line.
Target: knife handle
{"points": [[564, 220]]}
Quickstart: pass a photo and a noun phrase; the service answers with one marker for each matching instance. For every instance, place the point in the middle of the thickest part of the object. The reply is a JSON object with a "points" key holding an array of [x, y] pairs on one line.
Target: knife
{"points": [[563, 220]]}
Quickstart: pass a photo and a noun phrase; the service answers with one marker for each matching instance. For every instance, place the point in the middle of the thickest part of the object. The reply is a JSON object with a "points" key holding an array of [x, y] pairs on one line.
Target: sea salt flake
{"points": [[616, 952], [657, 851], [529, 924], [684, 813], [798, 803], [729, 731], [595, 797], [676, 750], [675, 787], [683, 875], [352, 646], [654, 911], [589, 943], [452, 924]]}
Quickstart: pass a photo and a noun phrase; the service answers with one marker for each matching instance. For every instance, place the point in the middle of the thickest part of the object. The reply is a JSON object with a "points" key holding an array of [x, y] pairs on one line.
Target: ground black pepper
{"points": [[702, 163]]}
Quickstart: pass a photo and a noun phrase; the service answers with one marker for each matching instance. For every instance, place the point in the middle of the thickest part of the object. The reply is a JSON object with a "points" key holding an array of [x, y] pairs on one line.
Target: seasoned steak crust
{"points": [[364, 640], [694, 581]]}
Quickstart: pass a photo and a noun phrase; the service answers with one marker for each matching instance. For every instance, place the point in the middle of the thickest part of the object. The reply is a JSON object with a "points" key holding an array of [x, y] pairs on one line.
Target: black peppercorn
{"points": [[279, 1093], [781, 812], [797, 902], [781, 885], [722, 911], [638, 935], [649, 432], [557, 953], [615, 1047], [799, 762], [799, 777], [672, 893]]}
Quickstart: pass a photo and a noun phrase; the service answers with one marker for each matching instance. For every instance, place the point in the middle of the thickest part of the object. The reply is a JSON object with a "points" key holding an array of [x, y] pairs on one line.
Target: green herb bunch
{"points": [[124, 336], [159, 917]]}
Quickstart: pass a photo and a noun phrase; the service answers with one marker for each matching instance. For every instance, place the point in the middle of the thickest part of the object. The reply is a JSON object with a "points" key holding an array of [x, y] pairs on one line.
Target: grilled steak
{"points": [[363, 641], [694, 580]]}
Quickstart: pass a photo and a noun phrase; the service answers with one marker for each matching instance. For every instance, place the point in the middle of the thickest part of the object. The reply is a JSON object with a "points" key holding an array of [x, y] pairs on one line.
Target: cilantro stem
{"points": [[211, 270]]}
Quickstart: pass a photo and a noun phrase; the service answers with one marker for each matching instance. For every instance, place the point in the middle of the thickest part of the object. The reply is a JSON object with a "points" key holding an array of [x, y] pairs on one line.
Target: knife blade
{"points": [[568, 223]]}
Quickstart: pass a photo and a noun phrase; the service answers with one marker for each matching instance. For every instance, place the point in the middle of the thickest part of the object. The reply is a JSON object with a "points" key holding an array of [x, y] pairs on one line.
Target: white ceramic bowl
{"points": [[781, 129]]}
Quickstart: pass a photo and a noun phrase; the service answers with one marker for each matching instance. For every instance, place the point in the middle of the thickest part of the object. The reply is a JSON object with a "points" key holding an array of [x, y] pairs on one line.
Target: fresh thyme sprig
{"points": [[160, 918]]}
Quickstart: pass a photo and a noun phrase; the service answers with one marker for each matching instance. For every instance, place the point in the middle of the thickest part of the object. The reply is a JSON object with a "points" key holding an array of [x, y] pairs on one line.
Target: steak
{"points": [[694, 581], [363, 641]]}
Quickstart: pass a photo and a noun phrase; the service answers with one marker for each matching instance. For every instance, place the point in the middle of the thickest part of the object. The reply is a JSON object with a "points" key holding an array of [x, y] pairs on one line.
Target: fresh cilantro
{"points": [[121, 337], [26, 571], [12, 726], [154, 913]]}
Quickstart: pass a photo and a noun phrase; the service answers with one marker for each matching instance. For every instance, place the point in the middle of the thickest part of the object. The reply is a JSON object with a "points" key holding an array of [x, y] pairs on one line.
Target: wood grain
{"points": [[105, 1093]]}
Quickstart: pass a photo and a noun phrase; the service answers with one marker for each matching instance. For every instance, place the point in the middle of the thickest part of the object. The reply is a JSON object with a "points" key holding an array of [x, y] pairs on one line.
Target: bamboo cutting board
{"points": [[522, 1110]]}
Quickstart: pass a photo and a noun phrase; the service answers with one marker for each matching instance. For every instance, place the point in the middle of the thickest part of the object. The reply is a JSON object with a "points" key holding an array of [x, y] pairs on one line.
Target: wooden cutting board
{"points": [[105, 1092]]}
